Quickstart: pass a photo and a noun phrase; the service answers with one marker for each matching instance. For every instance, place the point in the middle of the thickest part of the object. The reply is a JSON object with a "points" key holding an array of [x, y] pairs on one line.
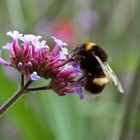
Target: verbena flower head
{"points": [[34, 59]]}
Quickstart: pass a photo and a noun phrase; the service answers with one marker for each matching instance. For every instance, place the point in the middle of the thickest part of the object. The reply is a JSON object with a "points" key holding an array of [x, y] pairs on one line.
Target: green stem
{"points": [[39, 88], [4, 107], [10, 101], [27, 84], [22, 80], [24, 89]]}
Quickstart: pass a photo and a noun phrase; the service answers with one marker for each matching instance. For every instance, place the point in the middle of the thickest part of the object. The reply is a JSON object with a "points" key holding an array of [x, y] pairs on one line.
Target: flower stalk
{"points": [[35, 60], [24, 89], [4, 107]]}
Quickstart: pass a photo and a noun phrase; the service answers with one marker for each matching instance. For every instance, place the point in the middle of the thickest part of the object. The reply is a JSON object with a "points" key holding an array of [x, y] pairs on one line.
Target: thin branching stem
{"points": [[23, 89], [38, 88], [4, 107], [10, 101], [27, 84], [22, 80]]}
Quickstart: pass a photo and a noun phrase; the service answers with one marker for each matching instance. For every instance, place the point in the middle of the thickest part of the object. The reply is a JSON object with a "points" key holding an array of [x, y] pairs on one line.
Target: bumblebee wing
{"points": [[110, 74], [105, 70], [114, 78]]}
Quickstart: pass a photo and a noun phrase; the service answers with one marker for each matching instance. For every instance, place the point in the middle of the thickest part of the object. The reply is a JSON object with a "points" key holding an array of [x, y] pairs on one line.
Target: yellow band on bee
{"points": [[89, 46], [100, 81]]}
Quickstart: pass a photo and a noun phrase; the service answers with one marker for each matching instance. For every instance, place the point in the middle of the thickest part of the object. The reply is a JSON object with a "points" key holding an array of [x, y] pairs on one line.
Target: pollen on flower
{"points": [[32, 57]]}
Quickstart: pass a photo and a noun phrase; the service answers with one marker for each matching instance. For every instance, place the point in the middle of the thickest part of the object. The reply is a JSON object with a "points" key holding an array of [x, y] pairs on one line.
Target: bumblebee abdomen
{"points": [[95, 85], [94, 89]]}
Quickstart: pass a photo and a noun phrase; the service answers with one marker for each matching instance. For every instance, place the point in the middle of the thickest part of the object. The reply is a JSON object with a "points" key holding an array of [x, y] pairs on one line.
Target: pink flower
{"points": [[33, 59]]}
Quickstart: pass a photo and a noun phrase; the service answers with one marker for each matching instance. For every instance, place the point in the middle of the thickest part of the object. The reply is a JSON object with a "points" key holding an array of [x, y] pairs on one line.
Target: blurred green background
{"points": [[114, 25]]}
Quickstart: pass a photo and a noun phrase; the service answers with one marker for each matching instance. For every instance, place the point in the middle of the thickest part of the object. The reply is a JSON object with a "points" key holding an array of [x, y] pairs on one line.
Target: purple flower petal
{"points": [[63, 53], [79, 91], [67, 66], [59, 42], [76, 68], [8, 47], [40, 45], [30, 38], [34, 76], [2, 61], [14, 34]]}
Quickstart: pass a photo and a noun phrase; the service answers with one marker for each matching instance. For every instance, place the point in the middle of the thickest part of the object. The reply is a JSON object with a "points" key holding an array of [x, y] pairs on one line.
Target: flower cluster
{"points": [[35, 59]]}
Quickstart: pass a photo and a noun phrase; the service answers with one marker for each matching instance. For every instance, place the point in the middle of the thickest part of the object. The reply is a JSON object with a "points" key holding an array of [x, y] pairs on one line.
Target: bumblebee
{"points": [[93, 61]]}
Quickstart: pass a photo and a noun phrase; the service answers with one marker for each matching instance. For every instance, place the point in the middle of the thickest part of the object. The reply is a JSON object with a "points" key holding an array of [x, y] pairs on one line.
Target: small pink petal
{"points": [[8, 47], [27, 49], [3, 62], [33, 51], [15, 46]]}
